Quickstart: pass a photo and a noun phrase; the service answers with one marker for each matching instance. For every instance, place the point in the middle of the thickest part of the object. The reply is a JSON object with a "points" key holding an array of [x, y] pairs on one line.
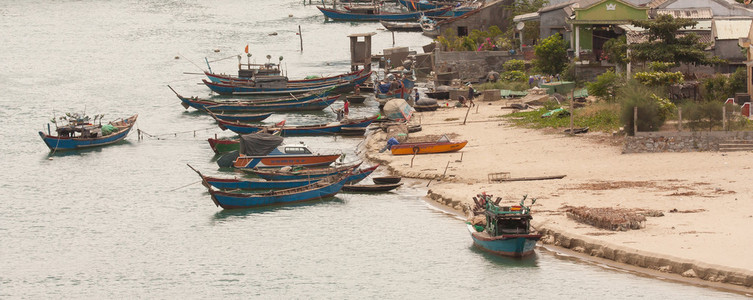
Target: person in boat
{"points": [[357, 90]]}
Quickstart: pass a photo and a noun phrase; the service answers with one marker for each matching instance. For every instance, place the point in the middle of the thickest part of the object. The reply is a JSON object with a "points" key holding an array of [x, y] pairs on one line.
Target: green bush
{"points": [[605, 86], [514, 65], [659, 66], [513, 76], [650, 115], [715, 88], [705, 115], [659, 78], [551, 55]]}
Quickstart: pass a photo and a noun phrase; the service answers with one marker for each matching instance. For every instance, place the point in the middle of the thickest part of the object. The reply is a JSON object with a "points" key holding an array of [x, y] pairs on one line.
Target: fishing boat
{"points": [[377, 15], [418, 5], [503, 230], [222, 145], [201, 103], [324, 188], [225, 183], [302, 173], [371, 188], [79, 132], [401, 26], [282, 87], [242, 118], [356, 99], [288, 130], [264, 150], [386, 179], [442, 145], [308, 105], [228, 78]]}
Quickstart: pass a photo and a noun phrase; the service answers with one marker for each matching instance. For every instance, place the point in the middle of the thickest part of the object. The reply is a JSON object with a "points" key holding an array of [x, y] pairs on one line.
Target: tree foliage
{"points": [[664, 44], [551, 55], [651, 113], [520, 7], [616, 50], [606, 85]]}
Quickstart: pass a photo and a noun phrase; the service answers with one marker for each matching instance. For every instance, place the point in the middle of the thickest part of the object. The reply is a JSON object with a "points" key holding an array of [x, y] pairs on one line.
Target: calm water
{"points": [[130, 220]]}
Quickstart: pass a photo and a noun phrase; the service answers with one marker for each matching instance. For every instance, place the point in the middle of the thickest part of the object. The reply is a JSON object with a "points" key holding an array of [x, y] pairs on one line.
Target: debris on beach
{"points": [[616, 219]]}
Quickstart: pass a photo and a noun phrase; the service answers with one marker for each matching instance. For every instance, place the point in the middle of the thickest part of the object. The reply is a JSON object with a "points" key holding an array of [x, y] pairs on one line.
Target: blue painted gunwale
{"points": [[415, 5], [200, 103], [314, 104], [319, 129], [315, 191], [241, 89], [243, 117], [515, 245], [248, 184], [339, 15], [56, 143]]}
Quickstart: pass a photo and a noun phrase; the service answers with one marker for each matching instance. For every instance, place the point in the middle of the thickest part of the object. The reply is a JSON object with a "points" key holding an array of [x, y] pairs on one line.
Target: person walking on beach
{"points": [[416, 97], [346, 108]]}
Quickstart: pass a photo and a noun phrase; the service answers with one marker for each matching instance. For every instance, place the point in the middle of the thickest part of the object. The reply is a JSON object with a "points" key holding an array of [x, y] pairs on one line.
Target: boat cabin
{"points": [[507, 220], [79, 131], [366, 9], [292, 149]]}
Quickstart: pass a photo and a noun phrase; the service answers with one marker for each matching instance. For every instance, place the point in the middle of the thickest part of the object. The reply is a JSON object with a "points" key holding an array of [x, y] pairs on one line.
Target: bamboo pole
{"points": [[635, 120], [300, 36]]}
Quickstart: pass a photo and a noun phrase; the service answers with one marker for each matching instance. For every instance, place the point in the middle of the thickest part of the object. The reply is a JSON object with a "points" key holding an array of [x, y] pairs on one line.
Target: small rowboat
{"points": [[371, 188], [441, 146], [401, 26], [356, 98], [79, 135], [386, 179]]}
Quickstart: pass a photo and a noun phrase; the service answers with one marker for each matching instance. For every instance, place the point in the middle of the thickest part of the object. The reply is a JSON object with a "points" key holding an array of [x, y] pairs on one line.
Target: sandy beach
{"points": [[705, 197]]}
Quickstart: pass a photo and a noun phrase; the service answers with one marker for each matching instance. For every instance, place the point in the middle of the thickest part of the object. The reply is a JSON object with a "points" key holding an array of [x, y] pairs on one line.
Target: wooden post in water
{"points": [[393, 38], [300, 36]]}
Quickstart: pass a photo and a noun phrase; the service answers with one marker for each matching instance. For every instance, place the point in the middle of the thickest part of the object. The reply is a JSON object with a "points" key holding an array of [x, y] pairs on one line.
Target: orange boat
{"points": [[444, 144]]}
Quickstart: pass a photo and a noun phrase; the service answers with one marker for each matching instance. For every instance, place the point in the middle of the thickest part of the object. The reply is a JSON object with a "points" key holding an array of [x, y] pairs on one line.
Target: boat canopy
{"points": [[259, 143]]}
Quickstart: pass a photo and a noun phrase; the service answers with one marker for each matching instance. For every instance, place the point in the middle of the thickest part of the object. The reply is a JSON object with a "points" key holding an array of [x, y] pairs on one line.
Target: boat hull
{"points": [[245, 184], [427, 148], [339, 15], [227, 78], [277, 161], [237, 200], [515, 245], [274, 175], [315, 104]]}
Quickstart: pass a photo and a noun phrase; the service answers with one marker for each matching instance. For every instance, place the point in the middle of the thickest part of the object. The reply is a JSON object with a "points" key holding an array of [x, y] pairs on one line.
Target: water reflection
{"points": [[243, 213], [530, 261]]}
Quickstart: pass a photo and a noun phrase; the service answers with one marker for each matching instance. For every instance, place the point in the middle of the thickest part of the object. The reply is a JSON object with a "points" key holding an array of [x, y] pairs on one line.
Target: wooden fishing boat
{"points": [[201, 103], [308, 105], [440, 95], [357, 99], [225, 183], [78, 133], [352, 131], [242, 118], [401, 26], [376, 15], [302, 173], [223, 145], [371, 188], [503, 230], [440, 146], [228, 78], [324, 188], [297, 130], [417, 5], [282, 88], [386, 179], [287, 155]]}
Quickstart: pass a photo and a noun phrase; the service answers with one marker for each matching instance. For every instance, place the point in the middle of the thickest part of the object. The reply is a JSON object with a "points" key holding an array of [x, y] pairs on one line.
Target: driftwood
{"points": [[528, 178]]}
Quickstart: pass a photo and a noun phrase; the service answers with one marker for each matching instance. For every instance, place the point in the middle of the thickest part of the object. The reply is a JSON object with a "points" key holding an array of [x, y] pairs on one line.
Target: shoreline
{"points": [[668, 246]]}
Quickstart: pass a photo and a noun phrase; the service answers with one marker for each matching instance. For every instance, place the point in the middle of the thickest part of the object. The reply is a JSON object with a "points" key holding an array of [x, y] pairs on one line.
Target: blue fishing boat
{"points": [[201, 103], [222, 78], [242, 118], [314, 104], [324, 188], [302, 173], [79, 133], [376, 15], [503, 230], [257, 184], [419, 5], [297, 130], [280, 89]]}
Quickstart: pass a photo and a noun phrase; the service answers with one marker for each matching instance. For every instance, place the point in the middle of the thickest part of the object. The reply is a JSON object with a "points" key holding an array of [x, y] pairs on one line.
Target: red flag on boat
{"points": [[246, 48], [280, 124]]}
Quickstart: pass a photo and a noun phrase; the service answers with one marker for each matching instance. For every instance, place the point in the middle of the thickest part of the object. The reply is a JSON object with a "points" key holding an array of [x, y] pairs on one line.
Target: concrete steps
{"points": [[736, 145]]}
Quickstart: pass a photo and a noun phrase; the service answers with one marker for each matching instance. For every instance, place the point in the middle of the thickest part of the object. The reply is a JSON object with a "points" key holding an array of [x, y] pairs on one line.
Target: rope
{"points": [[159, 136], [221, 59], [192, 183]]}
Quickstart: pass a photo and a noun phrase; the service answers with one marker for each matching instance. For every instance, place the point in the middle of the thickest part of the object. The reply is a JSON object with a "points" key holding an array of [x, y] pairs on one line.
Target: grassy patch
{"points": [[599, 116]]}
